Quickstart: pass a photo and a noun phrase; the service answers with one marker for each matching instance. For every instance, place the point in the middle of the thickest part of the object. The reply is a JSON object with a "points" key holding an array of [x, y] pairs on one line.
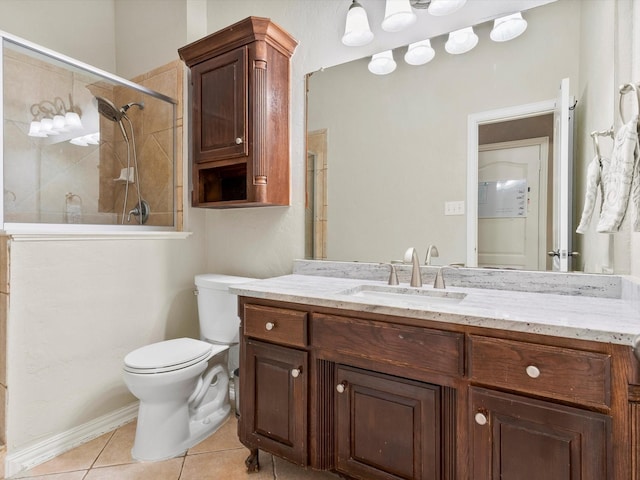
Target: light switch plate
{"points": [[454, 208]]}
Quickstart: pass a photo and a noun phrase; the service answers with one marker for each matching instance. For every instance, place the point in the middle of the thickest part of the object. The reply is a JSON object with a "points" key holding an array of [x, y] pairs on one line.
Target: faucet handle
{"points": [[439, 281], [393, 275]]}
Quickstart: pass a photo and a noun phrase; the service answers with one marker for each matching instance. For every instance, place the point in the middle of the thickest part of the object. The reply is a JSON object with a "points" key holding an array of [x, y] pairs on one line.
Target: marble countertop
{"points": [[611, 320]]}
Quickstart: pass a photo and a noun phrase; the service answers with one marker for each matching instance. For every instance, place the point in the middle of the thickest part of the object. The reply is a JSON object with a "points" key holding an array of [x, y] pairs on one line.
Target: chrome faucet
{"points": [[411, 256], [432, 251]]}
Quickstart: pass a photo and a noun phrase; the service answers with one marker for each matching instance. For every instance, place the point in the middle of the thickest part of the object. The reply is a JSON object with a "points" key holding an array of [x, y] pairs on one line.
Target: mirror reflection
{"points": [[387, 155]]}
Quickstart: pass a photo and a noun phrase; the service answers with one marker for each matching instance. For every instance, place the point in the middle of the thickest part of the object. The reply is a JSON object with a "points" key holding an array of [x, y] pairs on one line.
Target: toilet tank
{"points": [[218, 308]]}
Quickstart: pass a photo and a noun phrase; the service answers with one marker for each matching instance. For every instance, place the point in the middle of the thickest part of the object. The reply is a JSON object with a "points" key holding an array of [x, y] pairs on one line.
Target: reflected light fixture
{"points": [[507, 28], [419, 53], [86, 140], [356, 30], [398, 15], [461, 41], [53, 118], [382, 63], [439, 8]]}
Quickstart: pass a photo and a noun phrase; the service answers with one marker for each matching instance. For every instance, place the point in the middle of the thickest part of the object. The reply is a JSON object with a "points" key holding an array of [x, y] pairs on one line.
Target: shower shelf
{"points": [[126, 176]]}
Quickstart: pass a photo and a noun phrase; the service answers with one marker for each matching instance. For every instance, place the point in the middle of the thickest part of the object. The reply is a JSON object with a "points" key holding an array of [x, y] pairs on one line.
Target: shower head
{"points": [[107, 109]]}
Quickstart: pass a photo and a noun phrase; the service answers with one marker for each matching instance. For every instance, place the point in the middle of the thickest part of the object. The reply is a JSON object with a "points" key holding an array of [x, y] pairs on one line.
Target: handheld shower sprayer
{"points": [[108, 110]]}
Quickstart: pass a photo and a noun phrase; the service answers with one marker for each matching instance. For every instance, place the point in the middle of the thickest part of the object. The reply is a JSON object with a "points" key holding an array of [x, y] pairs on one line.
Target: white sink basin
{"points": [[405, 295]]}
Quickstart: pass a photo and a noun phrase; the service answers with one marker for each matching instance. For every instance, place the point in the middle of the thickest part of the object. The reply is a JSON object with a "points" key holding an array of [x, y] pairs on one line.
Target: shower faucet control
{"points": [[141, 210]]}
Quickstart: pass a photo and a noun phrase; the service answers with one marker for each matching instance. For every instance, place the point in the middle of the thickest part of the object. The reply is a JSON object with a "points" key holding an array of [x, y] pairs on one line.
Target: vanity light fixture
{"points": [[461, 41], [53, 118], [419, 53], [398, 15], [382, 63], [439, 8], [86, 140], [356, 30], [508, 27]]}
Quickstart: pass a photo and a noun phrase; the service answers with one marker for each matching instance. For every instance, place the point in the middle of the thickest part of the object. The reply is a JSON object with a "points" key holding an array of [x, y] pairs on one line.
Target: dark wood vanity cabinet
{"points": [[386, 427], [240, 88], [276, 384], [378, 397], [519, 438]]}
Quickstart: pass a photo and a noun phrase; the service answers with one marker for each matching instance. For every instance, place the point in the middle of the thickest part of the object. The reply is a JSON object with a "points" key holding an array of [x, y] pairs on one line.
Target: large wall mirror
{"points": [[387, 155]]}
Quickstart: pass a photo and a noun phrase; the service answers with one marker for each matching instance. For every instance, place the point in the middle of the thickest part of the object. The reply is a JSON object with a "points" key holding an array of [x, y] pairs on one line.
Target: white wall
{"points": [[82, 30], [600, 253]]}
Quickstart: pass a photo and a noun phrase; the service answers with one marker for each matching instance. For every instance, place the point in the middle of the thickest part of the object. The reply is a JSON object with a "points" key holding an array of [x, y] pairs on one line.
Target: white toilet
{"points": [[183, 384]]}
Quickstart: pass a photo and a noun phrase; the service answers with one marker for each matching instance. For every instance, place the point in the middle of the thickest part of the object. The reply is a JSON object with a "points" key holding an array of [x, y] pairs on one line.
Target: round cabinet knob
{"points": [[533, 371], [295, 373], [481, 418], [238, 141], [341, 387], [269, 326]]}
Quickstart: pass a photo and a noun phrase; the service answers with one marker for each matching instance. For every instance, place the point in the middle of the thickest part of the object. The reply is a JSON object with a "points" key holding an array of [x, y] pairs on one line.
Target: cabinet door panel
{"points": [[220, 107], [387, 428], [275, 413], [516, 438]]}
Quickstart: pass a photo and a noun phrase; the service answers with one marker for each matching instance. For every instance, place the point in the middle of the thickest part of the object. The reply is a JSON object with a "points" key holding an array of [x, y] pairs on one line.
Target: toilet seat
{"points": [[169, 355]]}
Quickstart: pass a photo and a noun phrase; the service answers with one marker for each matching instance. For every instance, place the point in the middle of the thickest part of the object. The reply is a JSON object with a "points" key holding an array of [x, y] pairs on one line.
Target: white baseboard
{"points": [[20, 460]]}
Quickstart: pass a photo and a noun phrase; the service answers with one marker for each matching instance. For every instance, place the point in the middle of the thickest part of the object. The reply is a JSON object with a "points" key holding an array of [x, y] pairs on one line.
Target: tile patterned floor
{"points": [[219, 457]]}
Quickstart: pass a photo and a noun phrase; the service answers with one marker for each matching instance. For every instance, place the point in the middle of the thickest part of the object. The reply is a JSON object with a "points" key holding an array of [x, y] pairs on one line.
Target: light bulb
{"points": [[356, 30], [439, 8], [382, 63], [461, 41], [419, 53], [508, 28], [397, 15]]}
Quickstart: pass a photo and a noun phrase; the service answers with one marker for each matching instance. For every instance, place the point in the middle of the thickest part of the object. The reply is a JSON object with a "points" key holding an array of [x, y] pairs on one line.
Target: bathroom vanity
{"points": [[488, 384]]}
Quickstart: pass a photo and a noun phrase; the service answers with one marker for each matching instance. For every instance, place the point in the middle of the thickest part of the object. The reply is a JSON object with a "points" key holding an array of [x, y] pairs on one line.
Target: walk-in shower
{"points": [[83, 150], [108, 110]]}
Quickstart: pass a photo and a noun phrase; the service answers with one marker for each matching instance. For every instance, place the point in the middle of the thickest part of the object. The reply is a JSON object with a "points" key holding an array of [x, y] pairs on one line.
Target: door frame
{"points": [[474, 121]]}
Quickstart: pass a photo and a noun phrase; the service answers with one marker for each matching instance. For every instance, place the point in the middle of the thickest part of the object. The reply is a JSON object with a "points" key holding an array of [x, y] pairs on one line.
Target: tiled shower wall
{"points": [[153, 132]]}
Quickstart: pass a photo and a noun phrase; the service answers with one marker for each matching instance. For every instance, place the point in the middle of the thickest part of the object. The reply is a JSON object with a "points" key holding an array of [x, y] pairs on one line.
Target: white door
{"points": [[512, 204]]}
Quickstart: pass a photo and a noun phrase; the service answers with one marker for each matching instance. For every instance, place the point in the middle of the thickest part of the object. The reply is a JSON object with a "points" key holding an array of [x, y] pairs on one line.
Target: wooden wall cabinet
{"points": [[240, 79], [379, 397]]}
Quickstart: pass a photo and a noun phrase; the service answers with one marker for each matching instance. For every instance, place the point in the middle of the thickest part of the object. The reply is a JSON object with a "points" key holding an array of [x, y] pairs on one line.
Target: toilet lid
{"points": [[168, 355]]}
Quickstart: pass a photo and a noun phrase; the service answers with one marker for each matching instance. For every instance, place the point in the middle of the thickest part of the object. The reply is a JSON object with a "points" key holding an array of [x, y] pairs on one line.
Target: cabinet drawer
{"points": [[562, 373], [413, 347], [277, 325]]}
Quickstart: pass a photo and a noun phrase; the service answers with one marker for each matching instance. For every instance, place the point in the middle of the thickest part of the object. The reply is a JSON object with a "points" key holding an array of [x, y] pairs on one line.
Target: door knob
{"points": [[238, 141], [554, 253], [481, 418], [533, 371], [269, 326], [341, 387], [295, 373]]}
